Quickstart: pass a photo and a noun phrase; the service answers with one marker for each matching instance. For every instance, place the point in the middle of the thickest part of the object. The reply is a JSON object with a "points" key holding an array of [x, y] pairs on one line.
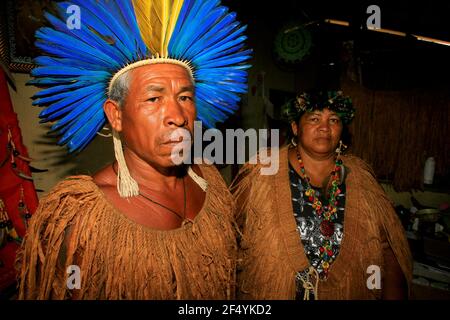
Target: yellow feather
{"points": [[174, 13], [156, 20]]}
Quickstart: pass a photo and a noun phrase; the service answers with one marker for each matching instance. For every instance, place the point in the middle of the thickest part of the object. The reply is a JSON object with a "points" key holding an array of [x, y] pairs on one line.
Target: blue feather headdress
{"points": [[80, 65]]}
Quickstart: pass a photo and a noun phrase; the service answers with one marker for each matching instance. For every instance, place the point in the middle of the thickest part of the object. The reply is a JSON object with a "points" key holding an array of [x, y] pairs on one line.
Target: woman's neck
{"points": [[317, 167]]}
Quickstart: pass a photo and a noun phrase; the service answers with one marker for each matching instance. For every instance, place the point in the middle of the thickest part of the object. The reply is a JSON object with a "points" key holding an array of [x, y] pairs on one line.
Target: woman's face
{"points": [[318, 132]]}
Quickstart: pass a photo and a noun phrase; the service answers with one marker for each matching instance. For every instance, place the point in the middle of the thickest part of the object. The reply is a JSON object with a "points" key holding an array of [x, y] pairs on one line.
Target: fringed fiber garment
{"points": [[120, 259], [271, 251]]}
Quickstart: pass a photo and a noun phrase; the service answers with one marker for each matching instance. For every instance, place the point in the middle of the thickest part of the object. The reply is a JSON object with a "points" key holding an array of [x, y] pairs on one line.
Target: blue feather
{"points": [[221, 76], [60, 51], [234, 86], [87, 132], [121, 32], [225, 31], [66, 132], [221, 52], [70, 43], [191, 25], [59, 89], [216, 113], [185, 9], [209, 115], [210, 38], [220, 93], [231, 59], [218, 103], [222, 39], [221, 71], [93, 22], [215, 39], [65, 53], [63, 62], [130, 17], [195, 31], [68, 100], [74, 115], [213, 54], [87, 35], [66, 80], [67, 72]]}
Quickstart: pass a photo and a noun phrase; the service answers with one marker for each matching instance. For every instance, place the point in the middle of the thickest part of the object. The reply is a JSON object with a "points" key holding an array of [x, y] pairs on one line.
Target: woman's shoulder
{"points": [[265, 162], [360, 176], [355, 163]]}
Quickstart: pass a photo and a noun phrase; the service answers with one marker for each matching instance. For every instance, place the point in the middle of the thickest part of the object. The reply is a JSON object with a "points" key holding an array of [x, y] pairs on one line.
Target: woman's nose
{"points": [[324, 125]]}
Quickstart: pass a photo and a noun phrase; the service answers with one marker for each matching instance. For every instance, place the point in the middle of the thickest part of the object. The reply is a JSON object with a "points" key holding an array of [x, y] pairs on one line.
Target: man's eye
{"points": [[153, 99], [186, 98]]}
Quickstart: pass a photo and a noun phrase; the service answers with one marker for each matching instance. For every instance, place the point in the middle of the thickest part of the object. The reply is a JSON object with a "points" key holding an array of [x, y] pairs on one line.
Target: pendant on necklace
{"points": [[327, 228]]}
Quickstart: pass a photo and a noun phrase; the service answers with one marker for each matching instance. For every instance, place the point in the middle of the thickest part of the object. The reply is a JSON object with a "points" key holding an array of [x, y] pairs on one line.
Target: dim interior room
{"points": [[391, 59]]}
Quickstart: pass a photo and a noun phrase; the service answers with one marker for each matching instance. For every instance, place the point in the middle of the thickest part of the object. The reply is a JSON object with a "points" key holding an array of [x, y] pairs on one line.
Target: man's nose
{"points": [[175, 115]]}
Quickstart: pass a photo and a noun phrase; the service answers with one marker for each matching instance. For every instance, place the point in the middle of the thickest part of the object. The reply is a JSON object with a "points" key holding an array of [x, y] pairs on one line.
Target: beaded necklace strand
{"points": [[328, 213]]}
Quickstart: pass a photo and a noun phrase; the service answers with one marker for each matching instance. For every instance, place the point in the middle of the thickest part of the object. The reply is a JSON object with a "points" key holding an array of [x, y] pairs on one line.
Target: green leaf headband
{"points": [[319, 100]]}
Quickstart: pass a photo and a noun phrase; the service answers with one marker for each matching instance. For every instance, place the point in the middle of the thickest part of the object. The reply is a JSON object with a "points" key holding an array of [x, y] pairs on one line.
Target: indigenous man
{"points": [[143, 227]]}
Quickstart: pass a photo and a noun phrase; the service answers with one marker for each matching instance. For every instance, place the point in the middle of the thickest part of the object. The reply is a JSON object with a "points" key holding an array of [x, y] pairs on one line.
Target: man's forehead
{"points": [[169, 70], [162, 87]]}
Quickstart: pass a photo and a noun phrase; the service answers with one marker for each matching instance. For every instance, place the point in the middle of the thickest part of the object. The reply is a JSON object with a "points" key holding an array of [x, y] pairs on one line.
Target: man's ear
{"points": [[294, 128], [114, 114]]}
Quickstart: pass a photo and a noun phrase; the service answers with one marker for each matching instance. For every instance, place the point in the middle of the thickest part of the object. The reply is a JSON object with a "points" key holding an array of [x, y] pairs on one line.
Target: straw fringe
{"points": [[126, 185], [120, 259], [261, 270]]}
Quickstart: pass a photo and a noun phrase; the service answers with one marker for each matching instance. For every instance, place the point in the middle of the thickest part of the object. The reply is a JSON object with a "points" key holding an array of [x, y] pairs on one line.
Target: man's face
{"points": [[160, 100]]}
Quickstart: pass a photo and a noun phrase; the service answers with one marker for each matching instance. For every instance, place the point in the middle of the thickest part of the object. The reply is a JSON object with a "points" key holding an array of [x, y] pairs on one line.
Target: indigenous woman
{"points": [[321, 227]]}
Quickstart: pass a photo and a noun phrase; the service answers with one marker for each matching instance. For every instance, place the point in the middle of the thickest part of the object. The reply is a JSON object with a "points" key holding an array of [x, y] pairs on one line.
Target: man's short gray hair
{"points": [[119, 89]]}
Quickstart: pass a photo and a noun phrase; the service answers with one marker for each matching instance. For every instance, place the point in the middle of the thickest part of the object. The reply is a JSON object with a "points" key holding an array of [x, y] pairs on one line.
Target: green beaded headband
{"points": [[318, 100]]}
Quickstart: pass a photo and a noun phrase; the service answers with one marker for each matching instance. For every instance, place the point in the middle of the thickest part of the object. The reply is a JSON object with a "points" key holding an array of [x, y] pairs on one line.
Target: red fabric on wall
{"points": [[13, 188]]}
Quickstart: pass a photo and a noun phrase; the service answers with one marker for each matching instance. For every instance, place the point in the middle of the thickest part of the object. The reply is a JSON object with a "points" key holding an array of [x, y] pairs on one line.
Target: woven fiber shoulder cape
{"points": [[120, 259], [271, 252]]}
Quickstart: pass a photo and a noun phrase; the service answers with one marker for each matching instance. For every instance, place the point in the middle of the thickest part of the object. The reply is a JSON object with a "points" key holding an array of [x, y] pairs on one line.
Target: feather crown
{"points": [[79, 65]]}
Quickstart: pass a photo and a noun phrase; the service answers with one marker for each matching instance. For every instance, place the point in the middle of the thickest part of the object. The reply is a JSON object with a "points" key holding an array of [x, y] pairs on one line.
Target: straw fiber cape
{"points": [[271, 252], [120, 259]]}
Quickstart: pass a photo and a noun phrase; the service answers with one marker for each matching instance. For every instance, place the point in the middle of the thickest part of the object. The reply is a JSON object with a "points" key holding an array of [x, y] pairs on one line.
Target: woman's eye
{"points": [[314, 119], [334, 120]]}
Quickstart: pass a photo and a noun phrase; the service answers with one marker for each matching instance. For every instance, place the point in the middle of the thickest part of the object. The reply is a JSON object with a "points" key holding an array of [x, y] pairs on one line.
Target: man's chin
{"points": [[174, 160]]}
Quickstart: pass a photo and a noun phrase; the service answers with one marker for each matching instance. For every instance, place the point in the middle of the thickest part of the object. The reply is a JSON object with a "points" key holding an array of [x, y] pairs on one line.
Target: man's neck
{"points": [[152, 176]]}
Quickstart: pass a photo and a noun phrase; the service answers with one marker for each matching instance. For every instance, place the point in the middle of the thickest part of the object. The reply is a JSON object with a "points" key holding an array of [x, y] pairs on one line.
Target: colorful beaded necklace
{"points": [[328, 213]]}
